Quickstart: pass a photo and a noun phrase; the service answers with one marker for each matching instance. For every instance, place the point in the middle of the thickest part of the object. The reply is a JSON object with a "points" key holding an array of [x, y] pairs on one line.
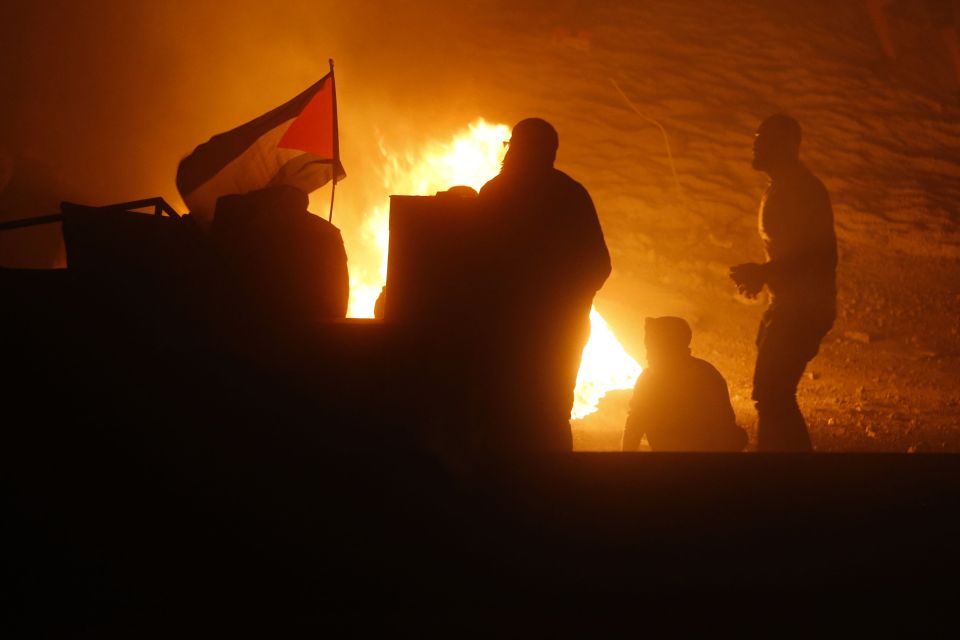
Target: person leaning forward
{"points": [[796, 226]]}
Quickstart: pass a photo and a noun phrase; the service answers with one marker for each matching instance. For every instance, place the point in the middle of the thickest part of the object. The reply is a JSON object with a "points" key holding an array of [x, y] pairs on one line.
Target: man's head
{"points": [[533, 145], [666, 338], [777, 143]]}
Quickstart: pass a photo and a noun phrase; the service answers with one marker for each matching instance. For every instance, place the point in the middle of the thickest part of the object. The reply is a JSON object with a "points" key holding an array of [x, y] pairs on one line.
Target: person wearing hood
{"points": [[681, 403]]}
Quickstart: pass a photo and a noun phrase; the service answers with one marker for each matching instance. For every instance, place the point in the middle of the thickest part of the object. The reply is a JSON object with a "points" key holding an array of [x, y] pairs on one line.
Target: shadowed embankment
{"points": [[150, 471]]}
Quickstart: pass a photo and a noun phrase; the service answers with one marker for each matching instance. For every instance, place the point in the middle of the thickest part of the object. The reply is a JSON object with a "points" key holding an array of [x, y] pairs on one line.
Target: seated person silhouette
{"points": [[282, 263], [680, 402]]}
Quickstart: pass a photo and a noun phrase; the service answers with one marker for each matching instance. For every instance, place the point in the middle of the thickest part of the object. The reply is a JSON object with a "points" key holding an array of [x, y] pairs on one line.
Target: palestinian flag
{"points": [[295, 144]]}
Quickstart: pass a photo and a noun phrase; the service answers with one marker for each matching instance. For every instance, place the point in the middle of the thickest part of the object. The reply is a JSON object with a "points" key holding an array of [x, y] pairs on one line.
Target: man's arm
{"points": [[601, 263], [749, 278], [731, 436], [591, 259], [805, 239]]}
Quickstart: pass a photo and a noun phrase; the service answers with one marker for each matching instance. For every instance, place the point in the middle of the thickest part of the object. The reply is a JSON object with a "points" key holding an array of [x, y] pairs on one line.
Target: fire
{"points": [[471, 158], [605, 366]]}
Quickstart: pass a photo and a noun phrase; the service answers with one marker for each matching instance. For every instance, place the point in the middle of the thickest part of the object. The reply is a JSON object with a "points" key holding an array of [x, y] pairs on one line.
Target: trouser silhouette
{"points": [[528, 390], [787, 340]]}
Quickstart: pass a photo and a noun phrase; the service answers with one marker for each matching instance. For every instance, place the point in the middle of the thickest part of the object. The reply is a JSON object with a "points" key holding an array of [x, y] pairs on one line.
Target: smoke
{"points": [[109, 95], [114, 93]]}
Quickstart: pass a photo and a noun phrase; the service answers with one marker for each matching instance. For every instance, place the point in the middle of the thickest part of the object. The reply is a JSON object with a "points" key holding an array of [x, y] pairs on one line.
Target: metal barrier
{"points": [[160, 207]]}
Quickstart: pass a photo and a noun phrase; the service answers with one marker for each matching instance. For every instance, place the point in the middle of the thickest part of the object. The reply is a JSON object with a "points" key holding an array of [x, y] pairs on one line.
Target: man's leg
{"points": [[580, 336], [783, 350], [780, 424]]}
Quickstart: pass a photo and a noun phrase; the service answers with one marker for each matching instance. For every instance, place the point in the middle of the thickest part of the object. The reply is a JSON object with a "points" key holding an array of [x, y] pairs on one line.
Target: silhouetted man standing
{"points": [[796, 226], [546, 258]]}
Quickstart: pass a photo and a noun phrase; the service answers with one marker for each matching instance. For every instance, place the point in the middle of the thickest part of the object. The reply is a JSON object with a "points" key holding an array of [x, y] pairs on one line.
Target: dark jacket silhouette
{"points": [[545, 258], [283, 264], [680, 403]]}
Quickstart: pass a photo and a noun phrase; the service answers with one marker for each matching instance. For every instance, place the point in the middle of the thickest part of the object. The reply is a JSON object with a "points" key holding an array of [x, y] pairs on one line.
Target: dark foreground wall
{"points": [[155, 474], [322, 531]]}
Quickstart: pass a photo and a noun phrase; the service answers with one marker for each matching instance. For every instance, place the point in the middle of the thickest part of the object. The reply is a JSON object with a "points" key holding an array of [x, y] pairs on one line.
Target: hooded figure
{"points": [[680, 402], [283, 264]]}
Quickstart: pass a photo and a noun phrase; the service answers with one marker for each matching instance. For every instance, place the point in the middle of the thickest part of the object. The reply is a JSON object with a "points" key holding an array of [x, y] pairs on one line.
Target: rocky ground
{"points": [[886, 378]]}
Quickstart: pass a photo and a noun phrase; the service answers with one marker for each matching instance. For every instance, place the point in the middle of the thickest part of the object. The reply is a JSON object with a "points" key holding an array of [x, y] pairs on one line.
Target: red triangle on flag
{"points": [[315, 129]]}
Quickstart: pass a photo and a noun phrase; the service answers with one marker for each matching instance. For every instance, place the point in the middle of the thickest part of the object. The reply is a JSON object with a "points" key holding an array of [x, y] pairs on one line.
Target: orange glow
{"points": [[605, 366], [471, 158]]}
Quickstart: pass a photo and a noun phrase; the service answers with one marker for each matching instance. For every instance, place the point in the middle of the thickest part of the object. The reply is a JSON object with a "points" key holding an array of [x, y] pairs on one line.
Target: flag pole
{"points": [[336, 134], [333, 192]]}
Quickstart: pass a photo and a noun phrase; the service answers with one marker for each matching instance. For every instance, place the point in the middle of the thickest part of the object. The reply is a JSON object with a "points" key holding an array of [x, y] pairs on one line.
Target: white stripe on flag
{"points": [[253, 169]]}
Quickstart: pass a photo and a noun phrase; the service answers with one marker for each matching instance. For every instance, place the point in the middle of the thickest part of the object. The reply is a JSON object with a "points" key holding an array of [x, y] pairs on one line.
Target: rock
{"points": [[857, 336]]}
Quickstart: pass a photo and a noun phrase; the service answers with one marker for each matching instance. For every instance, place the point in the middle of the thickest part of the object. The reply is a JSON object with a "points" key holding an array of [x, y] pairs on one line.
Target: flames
{"points": [[471, 158], [605, 366]]}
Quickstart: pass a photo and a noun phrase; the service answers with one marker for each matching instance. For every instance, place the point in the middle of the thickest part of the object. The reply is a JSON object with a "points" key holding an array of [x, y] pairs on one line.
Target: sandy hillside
{"points": [[884, 137]]}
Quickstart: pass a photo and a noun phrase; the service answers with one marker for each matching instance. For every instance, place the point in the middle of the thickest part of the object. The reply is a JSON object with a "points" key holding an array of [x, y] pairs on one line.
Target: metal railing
{"points": [[159, 205]]}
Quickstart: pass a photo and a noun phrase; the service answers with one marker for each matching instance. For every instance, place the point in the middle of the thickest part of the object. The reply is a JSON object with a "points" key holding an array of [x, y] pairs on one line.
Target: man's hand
{"points": [[749, 278]]}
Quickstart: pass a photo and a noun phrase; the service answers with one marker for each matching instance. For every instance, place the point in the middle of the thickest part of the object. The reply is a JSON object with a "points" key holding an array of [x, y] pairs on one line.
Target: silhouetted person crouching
{"points": [[283, 264], [680, 402], [796, 226], [545, 257]]}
